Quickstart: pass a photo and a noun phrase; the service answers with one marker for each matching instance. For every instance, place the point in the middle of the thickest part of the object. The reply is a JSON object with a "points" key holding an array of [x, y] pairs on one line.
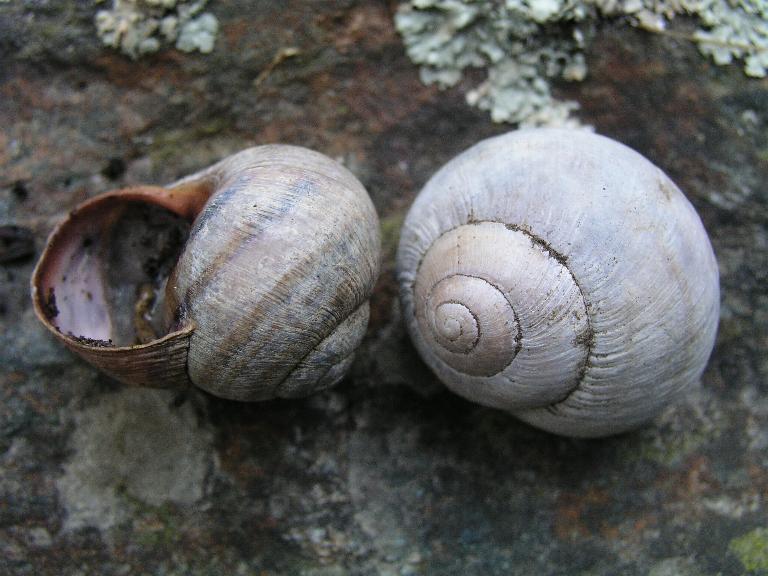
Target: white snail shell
{"points": [[561, 276], [268, 298]]}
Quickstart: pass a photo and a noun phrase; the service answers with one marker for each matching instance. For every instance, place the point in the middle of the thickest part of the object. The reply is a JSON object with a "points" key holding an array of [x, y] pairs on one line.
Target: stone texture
{"points": [[388, 473]]}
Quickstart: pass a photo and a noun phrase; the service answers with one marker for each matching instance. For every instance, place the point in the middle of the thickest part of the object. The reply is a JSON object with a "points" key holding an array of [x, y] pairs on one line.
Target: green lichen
{"points": [[677, 433], [668, 450], [390, 234], [168, 147], [524, 44], [752, 550], [157, 529], [137, 27]]}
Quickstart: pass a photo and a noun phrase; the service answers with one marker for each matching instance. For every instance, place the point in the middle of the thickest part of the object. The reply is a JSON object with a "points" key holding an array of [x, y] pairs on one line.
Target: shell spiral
{"points": [[561, 276], [268, 296], [277, 274]]}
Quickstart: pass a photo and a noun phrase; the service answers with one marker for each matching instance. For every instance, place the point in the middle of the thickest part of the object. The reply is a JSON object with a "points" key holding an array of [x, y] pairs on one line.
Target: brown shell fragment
{"points": [[76, 290]]}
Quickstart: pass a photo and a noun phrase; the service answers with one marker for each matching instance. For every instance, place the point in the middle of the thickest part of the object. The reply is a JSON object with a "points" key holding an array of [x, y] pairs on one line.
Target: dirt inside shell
{"points": [[103, 282]]}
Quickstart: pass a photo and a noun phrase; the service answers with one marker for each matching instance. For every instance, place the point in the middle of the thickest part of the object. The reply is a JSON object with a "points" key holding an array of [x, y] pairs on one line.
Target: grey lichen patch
{"points": [[198, 34], [133, 445], [137, 27], [448, 36], [732, 30], [525, 44]]}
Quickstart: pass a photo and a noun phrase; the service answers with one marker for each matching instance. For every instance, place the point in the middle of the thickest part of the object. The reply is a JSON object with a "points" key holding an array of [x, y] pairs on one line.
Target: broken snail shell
{"points": [[267, 296], [561, 276]]}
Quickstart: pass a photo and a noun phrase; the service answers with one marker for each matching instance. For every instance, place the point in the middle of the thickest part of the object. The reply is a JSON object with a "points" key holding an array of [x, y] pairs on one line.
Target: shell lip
{"points": [[71, 265], [84, 343]]}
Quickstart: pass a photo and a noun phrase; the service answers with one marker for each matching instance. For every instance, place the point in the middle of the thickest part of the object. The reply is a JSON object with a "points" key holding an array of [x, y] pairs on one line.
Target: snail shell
{"points": [[561, 276], [268, 297]]}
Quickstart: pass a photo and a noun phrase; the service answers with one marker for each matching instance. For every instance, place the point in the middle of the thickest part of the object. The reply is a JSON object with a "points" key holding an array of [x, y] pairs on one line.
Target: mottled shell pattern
{"points": [[561, 276], [268, 298]]}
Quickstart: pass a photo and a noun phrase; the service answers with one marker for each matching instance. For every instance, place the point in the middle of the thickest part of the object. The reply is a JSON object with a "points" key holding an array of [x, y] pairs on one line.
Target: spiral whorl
{"points": [[561, 276], [478, 301], [454, 326]]}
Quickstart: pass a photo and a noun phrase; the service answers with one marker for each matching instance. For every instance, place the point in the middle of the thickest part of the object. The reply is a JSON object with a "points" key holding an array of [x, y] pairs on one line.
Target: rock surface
{"points": [[388, 473]]}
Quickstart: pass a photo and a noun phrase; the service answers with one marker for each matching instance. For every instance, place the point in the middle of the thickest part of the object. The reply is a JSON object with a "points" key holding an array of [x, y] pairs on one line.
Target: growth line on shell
{"points": [[587, 338], [300, 361]]}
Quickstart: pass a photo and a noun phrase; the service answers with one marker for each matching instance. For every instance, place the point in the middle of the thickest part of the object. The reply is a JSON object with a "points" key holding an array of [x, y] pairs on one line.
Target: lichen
{"points": [[390, 233], [448, 36], [138, 27], [198, 34], [752, 550], [524, 44], [735, 29], [134, 446]]}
